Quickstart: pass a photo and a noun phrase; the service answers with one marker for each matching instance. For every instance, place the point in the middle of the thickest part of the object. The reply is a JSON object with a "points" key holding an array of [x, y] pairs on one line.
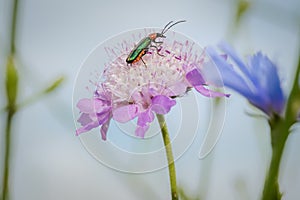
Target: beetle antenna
{"points": [[166, 29], [163, 31]]}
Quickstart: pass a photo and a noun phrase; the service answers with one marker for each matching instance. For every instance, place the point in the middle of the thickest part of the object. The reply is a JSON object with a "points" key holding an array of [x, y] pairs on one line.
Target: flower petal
{"points": [[93, 105], [194, 77], [103, 117], [178, 89], [265, 73], [84, 105], [259, 81], [84, 119], [87, 127], [230, 51], [141, 130], [125, 113], [162, 104], [230, 77], [209, 93], [145, 118], [104, 129]]}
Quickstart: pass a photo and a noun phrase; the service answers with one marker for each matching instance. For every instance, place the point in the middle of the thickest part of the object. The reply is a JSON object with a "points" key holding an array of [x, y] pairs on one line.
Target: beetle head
{"points": [[160, 35]]}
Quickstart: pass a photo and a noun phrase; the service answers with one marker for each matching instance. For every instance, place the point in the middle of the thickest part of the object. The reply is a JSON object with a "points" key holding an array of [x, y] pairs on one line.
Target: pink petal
{"points": [[162, 104], [103, 117], [92, 105], [209, 93], [84, 105], [194, 77], [177, 89], [104, 129], [125, 113], [145, 118], [84, 119], [146, 94], [141, 130], [87, 127]]}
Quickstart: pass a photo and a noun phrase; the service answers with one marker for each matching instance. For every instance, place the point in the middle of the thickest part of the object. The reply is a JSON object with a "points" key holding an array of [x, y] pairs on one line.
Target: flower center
{"points": [[159, 73]]}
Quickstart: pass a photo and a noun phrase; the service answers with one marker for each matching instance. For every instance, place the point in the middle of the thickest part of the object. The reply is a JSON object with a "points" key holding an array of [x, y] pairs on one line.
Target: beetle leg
{"points": [[157, 50], [157, 42], [144, 62]]}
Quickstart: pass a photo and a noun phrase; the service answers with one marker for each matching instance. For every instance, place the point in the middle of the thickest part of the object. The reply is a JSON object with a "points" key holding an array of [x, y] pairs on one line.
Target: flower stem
{"points": [[168, 146], [5, 188], [13, 27], [279, 135], [280, 129], [11, 89]]}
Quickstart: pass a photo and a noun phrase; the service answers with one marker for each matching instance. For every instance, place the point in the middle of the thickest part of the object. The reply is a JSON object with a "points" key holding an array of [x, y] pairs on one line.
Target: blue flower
{"points": [[257, 80]]}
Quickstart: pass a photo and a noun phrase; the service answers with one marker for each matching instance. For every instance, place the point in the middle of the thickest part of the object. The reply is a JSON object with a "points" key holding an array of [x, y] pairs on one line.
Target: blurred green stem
{"points": [[11, 94], [13, 27], [280, 129], [5, 190], [167, 143]]}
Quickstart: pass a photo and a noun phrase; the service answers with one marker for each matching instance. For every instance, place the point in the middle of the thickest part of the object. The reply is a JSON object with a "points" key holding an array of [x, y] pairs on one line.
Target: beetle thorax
{"points": [[152, 36]]}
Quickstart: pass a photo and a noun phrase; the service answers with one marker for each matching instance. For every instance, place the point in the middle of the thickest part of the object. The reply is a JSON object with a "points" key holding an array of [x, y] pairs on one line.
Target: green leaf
{"points": [[11, 82], [54, 85]]}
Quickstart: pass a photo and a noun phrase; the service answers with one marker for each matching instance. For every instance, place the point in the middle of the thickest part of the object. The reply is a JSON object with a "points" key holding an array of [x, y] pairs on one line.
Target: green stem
{"points": [[279, 135], [5, 188], [167, 143], [13, 27], [280, 128], [11, 104]]}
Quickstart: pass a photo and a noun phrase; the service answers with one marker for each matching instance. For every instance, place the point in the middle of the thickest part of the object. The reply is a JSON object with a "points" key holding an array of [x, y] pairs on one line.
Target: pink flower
{"points": [[95, 112], [146, 104], [144, 90]]}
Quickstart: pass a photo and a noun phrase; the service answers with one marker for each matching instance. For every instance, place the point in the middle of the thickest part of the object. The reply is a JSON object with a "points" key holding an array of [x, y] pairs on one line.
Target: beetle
{"points": [[143, 46]]}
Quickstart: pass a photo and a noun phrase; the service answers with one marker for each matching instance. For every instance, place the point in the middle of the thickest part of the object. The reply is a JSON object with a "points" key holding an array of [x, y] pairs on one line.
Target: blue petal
{"points": [[259, 81], [265, 73], [230, 77], [229, 50]]}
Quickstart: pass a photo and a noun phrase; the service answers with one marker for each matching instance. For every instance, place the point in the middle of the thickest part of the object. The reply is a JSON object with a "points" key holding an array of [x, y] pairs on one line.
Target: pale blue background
{"points": [[55, 37]]}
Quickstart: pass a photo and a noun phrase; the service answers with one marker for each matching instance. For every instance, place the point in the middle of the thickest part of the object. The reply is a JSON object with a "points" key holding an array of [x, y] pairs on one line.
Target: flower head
{"points": [[95, 112], [257, 80], [142, 90]]}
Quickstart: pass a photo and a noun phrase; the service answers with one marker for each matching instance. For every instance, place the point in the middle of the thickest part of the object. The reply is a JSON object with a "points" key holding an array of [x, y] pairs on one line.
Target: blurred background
{"points": [[53, 39]]}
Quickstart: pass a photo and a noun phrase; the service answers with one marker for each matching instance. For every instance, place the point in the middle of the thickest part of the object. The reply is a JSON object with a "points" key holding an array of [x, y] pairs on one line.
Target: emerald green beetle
{"points": [[143, 46]]}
